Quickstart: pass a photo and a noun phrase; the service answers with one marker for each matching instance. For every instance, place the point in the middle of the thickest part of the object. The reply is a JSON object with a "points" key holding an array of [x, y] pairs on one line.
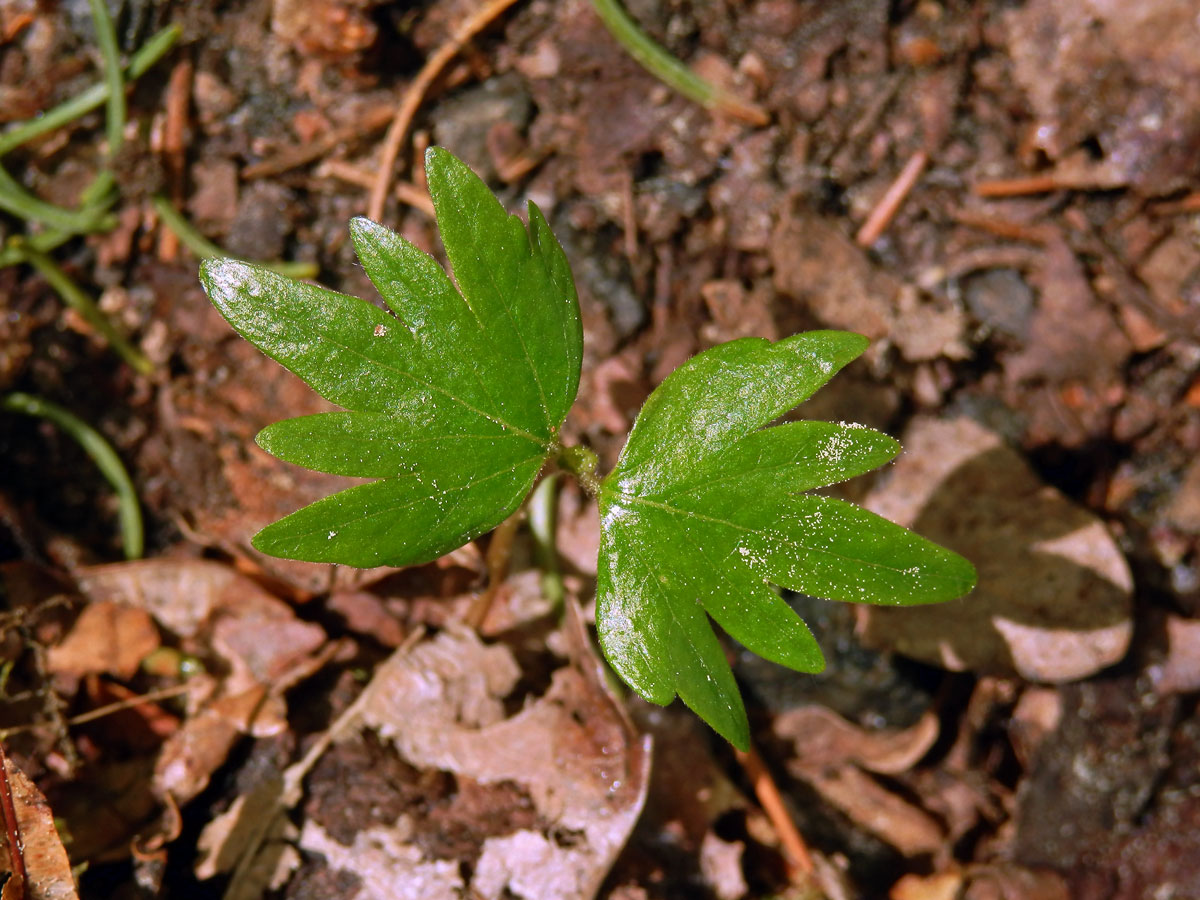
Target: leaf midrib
{"points": [[417, 500], [663, 507], [521, 432]]}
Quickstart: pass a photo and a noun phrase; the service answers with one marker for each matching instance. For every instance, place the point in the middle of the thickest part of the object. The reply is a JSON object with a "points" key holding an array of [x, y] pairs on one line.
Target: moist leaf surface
{"points": [[453, 403], [705, 510]]}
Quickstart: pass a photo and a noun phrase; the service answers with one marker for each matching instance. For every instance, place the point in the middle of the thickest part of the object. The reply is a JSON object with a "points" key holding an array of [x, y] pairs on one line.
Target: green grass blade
{"points": [[76, 298], [669, 70], [81, 104], [102, 454], [114, 78]]}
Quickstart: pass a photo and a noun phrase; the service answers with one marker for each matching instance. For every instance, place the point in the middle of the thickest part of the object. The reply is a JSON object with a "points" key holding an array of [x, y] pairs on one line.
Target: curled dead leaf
{"points": [[107, 639], [47, 870], [823, 738], [831, 754], [1053, 599], [572, 751]]}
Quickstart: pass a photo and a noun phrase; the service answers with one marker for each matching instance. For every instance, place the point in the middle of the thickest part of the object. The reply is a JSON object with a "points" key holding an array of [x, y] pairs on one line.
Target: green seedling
{"points": [[454, 402]]}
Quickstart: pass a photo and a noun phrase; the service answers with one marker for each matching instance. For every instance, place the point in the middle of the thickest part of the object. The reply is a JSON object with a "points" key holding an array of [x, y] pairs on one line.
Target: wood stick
{"points": [[411, 101], [884, 211]]}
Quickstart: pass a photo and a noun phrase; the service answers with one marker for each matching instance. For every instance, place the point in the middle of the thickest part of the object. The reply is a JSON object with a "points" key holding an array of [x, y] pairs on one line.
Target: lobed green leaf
{"points": [[703, 512], [454, 402]]}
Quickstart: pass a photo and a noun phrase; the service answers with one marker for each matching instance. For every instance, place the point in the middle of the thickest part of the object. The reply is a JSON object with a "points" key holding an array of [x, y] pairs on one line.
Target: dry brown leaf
{"points": [[737, 312], [1007, 881], [386, 865], [578, 536], [1072, 334], [47, 868], [201, 745], [818, 264], [721, 866], [107, 639], [216, 611], [181, 594], [1036, 715], [365, 613], [571, 750], [823, 738], [828, 753], [252, 819], [888, 816], [1053, 599], [815, 262]]}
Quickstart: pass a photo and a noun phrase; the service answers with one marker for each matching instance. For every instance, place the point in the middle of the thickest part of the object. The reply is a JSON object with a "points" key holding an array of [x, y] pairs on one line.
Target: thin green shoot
{"points": [[16, 253], [78, 299], [129, 511], [669, 70], [99, 194], [543, 525], [114, 79], [92, 98], [203, 248], [16, 200]]}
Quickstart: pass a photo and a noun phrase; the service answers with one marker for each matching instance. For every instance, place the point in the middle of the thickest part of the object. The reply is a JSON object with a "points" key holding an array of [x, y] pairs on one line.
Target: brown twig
{"points": [[294, 157], [403, 191], [12, 831], [769, 798], [884, 211], [1018, 187], [411, 101], [101, 711], [1005, 228], [629, 223], [1188, 204]]}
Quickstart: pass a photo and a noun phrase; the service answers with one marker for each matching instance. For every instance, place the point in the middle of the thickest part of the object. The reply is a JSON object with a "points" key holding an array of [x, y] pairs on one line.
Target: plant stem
{"points": [[582, 463], [76, 298], [102, 454], [81, 104], [206, 249], [543, 526], [669, 70], [106, 37]]}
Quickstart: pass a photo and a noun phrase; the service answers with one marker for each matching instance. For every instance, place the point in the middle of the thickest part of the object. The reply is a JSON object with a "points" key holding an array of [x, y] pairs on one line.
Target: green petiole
{"points": [[21, 203]]}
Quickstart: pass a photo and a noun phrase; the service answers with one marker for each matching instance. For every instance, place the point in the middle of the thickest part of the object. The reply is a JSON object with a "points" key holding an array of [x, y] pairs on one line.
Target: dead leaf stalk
{"points": [[769, 798]]}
